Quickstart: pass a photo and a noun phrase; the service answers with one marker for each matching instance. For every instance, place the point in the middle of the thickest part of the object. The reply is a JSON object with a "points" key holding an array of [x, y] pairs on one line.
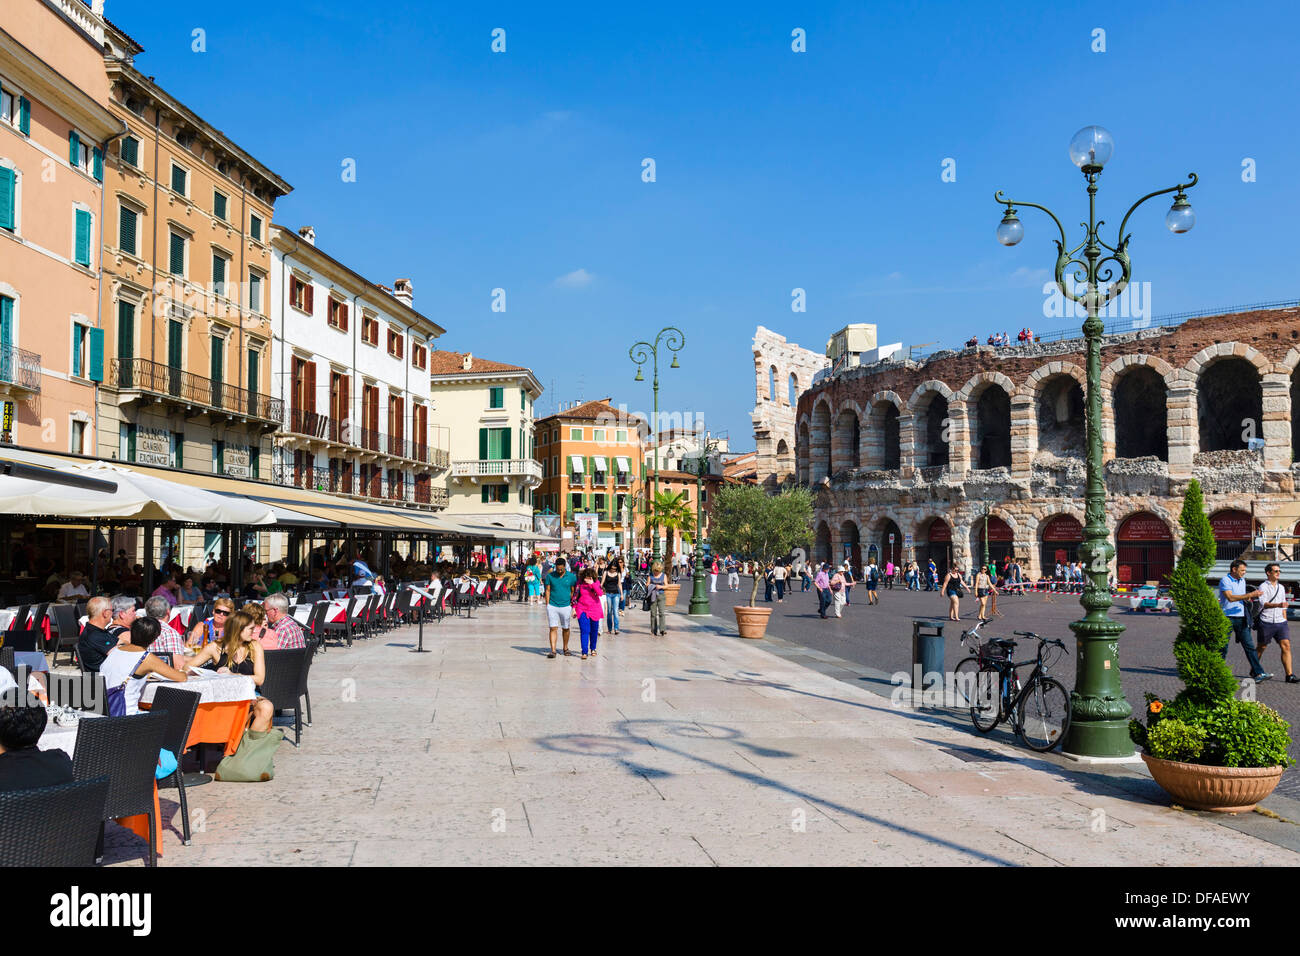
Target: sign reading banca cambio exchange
{"points": [[153, 446], [237, 461]]}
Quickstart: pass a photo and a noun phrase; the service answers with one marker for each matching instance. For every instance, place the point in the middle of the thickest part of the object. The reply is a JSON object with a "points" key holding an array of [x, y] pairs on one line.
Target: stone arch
{"points": [[1139, 404], [784, 461], [942, 552], [792, 389], [1129, 554], [846, 437], [931, 430], [987, 399], [1196, 364], [850, 542], [822, 542], [882, 438], [1171, 374], [972, 535], [819, 441], [1229, 401]]}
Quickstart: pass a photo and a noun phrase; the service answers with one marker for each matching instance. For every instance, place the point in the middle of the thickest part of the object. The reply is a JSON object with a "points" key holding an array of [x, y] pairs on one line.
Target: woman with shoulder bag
{"points": [[657, 598]]}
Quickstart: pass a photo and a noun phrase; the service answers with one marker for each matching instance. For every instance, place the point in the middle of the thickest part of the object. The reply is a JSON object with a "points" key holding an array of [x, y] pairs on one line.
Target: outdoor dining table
{"points": [[181, 616], [57, 737], [224, 701], [338, 611]]}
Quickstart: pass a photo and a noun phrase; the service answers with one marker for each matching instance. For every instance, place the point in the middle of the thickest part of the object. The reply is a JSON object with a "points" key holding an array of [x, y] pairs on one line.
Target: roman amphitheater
{"points": [[917, 459]]}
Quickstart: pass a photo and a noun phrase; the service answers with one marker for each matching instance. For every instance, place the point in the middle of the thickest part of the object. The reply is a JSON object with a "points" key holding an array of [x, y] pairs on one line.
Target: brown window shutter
{"points": [[311, 300], [310, 403]]}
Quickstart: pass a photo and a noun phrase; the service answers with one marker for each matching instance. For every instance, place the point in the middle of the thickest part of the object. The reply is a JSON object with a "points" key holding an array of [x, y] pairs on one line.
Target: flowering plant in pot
{"points": [[1206, 748], [749, 522]]}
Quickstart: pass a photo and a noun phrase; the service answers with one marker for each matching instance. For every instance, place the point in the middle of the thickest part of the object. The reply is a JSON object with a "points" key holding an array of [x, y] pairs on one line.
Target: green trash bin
{"points": [[927, 657]]}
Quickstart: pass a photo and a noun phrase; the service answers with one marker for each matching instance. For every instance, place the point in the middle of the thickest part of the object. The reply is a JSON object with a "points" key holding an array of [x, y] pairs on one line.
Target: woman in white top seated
{"points": [[127, 665]]}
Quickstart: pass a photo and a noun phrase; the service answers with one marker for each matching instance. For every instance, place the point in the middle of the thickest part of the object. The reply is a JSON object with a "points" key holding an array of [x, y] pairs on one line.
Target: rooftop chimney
{"points": [[467, 362], [404, 292], [309, 234]]}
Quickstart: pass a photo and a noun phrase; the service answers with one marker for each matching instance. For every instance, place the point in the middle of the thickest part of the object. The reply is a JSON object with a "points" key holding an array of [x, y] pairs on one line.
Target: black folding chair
{"points": [[65, 622], [126, 750], [346, 626], [53, 826], [180, 706], [282, 686]]}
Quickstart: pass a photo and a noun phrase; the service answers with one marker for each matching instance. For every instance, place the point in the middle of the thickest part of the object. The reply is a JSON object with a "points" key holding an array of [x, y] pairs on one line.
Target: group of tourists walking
{"points": [[591, 593]]}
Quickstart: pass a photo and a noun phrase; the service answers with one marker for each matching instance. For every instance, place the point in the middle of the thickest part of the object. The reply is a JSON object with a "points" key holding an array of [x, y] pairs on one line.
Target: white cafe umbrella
{"points": [[24, 496], [182, 502]]}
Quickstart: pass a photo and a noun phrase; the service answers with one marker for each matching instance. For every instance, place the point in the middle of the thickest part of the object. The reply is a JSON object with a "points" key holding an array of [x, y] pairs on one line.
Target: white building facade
{"points": [[350, 361]]}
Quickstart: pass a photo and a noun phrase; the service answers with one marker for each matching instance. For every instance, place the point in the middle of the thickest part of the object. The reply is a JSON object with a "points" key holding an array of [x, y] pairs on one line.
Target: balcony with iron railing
{"points": [[196, 394], [314, 426], [376, 487], [497, 468], [20, 371]]}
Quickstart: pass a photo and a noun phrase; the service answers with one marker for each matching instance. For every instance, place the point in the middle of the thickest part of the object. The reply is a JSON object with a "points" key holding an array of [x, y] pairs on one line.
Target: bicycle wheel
{"points": [[965, 676], [1043, 716], [986, 707]]}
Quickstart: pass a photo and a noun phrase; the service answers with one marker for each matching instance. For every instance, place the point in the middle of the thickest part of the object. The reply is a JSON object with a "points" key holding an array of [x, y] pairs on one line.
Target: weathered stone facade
{"points": [[782, 371], [1003, 430]]}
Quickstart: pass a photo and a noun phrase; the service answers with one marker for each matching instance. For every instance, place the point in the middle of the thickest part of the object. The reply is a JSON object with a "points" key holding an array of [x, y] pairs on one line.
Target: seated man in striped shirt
{"points": [[285, 627], [169, 639]]}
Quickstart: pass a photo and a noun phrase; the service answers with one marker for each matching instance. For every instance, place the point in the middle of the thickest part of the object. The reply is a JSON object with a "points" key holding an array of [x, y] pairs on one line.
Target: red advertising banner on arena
{"points": [[939, 532], [999, 530], [1231, 526], [1144, 527], [1064, 528]]}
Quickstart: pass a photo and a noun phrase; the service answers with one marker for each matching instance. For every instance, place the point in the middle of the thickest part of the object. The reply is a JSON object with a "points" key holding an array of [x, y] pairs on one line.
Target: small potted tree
{"points": [[749, 522], [671, 512], [1206, 748]]}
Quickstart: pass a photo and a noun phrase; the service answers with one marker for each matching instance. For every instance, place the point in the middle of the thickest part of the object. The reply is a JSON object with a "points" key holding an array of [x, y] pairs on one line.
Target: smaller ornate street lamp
{"points": [[699, 595], [642, 352]]}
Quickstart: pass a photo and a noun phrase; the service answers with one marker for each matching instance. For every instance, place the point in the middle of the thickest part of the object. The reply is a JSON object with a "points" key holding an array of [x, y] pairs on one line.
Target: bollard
{"points": [[927, 657]]}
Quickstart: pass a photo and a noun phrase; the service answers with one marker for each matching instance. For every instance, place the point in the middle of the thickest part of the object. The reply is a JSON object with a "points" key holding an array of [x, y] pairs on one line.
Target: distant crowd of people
{"points": [[997, 339]]}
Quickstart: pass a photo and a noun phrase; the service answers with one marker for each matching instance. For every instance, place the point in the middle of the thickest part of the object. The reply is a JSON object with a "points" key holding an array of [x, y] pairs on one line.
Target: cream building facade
{"points": [[488, 408]]}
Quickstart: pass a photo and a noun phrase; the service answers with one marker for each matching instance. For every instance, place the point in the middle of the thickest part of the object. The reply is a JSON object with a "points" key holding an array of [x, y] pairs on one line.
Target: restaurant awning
{"points": [[138, 497], [600, 463], [577, 462], [624, 465]]}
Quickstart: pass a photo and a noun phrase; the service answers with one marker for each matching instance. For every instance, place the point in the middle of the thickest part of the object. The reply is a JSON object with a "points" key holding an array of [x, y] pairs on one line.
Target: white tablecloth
{"points": [[216, 689], [62, 738]]}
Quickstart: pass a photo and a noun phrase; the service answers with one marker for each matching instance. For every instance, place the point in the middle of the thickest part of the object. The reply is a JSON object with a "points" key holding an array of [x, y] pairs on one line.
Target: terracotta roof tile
{"points": [[453, 363]]}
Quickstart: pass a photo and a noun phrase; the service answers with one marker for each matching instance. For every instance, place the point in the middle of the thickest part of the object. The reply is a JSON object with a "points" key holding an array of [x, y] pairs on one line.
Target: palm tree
{"points": [[671, 511]]}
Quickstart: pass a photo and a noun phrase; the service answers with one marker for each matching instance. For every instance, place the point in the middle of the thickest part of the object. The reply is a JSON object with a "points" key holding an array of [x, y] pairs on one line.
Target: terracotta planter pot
{"points": [[670, 594], [1221, 789], [752, 621]]}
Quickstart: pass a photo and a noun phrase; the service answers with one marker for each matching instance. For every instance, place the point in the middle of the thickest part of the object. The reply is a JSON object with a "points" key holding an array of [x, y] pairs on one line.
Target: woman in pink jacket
{"points": [[588, 606]]}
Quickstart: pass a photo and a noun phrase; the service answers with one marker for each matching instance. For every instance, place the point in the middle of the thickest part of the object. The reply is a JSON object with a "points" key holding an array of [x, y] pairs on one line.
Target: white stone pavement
{"points": [[689, 749]]}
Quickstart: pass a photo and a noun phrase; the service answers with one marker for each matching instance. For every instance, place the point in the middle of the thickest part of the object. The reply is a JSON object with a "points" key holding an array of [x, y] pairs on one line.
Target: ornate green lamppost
{"points": [[641, 352], [1098, 711], [699, 594]]}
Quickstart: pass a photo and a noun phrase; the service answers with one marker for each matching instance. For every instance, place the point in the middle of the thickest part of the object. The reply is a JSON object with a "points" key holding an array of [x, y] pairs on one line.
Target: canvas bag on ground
{"points": [[254, 760]]}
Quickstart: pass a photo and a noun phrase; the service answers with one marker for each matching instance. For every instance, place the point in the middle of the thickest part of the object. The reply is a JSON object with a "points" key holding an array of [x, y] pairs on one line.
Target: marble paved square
{"points": [[691, 749]]}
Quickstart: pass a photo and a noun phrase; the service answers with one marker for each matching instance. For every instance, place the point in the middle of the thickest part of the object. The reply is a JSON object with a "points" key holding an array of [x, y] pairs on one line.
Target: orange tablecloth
{"points": [[139, 824], [220, 723]]}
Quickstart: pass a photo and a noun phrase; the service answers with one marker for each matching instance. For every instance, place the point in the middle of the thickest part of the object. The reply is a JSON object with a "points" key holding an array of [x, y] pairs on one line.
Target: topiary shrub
{"points": [[1175, 740], [1205, 723]]}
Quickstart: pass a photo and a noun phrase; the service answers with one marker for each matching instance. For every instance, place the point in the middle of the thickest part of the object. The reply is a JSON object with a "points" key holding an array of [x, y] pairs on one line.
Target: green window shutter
{"points": [[523, 400], [130, 151], [485, 494], [95, 339], [8, 188], [126, 230], [97, 164], [218, 359], [130, 443], [505, 443], [254, 370], [76, 347], [74, 148], [255, 227], [219, 205], [483, 445], [125, 330], [496, 399], [25, 116], [176, 263], [82, 251], [219, 272]]}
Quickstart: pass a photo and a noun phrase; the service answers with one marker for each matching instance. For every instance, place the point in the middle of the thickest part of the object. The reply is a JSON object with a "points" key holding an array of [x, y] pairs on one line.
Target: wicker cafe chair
{"points": [[52, 826], [8, 662], [283, 684], [180, 706], [126, 750], [303, 692], [65, 622]]}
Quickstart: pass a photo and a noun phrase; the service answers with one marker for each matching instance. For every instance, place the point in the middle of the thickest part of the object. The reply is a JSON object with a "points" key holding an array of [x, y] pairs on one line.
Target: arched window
{"points": [[794, 390], [771, 384]]}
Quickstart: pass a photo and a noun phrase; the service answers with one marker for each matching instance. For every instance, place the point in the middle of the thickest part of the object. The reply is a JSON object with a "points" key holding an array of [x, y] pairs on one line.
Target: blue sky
{"points": [[775, 170]]}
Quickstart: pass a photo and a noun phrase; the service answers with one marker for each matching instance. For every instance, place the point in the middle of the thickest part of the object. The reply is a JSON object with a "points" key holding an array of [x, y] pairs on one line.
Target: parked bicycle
{"points": [[987, 684]]}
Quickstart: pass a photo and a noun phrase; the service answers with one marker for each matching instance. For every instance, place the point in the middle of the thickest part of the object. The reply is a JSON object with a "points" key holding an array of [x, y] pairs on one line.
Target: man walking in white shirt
{"points": [[1272, 619]]}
